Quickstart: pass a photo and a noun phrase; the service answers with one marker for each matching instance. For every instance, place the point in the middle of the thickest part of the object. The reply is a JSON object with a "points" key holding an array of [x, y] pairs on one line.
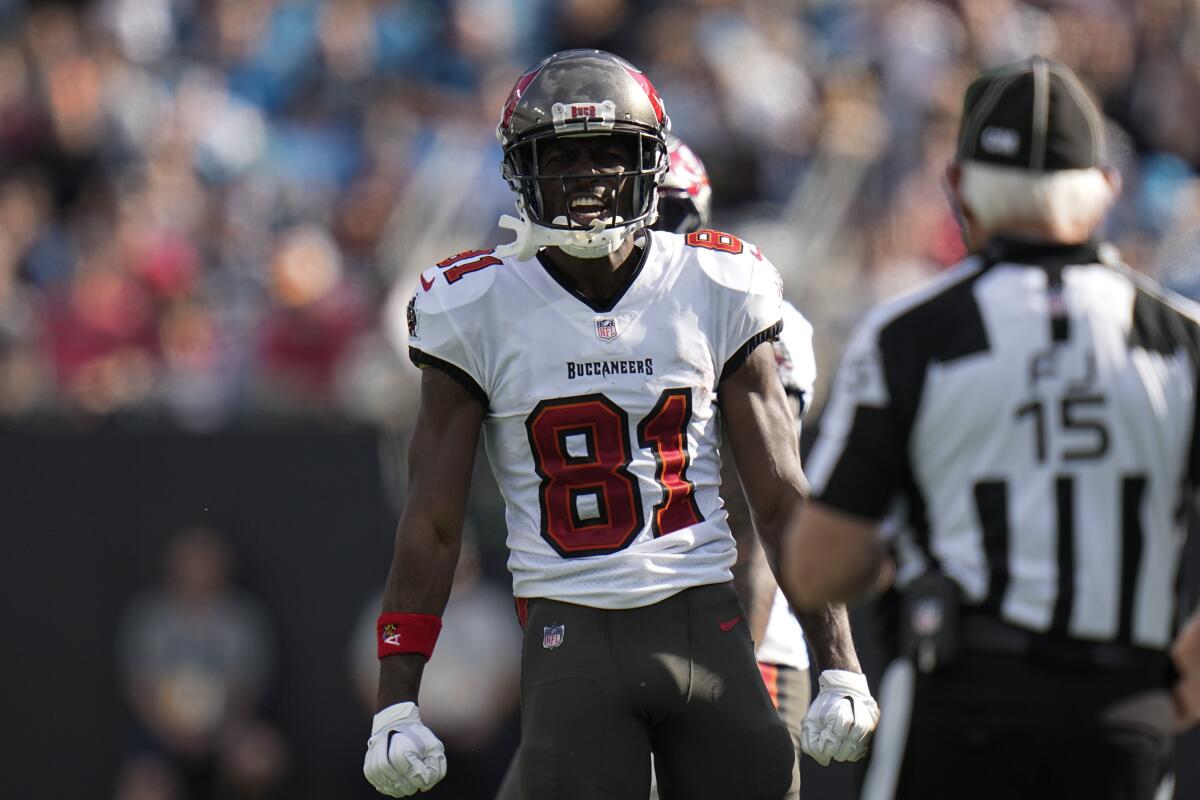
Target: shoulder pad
{"points": [[461, 279], [726, 259]]}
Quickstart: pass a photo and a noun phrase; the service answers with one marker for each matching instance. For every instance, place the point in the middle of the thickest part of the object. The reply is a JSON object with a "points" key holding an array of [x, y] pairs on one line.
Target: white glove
{"points": [[840, 721], [403, 756]]}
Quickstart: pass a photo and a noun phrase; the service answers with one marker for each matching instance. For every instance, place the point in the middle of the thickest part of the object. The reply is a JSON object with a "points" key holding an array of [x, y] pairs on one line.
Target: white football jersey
{"points": [[601, 423], [783, 640], [795, 359]]}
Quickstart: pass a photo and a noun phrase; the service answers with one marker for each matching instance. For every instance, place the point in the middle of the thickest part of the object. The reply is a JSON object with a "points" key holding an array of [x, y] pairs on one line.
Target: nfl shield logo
{"points": [[552, 636], [606, 329]]}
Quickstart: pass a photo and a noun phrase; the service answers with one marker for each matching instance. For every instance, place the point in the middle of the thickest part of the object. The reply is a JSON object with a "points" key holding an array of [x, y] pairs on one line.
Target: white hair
{"points": [[1001, 198]]}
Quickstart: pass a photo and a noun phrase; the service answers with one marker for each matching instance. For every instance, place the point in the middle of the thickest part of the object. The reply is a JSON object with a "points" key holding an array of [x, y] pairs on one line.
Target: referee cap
{"points": [[1033, 115]]}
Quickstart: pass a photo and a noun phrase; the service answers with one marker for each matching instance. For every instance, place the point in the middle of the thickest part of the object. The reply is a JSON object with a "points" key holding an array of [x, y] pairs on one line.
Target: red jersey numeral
{"points": [[664, 432], [456, 273], [454, 259], [715, 240], [581, 452], [590, 502], [457, 266]]}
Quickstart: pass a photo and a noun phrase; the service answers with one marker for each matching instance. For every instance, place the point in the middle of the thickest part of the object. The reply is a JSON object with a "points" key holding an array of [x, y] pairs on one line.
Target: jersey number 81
{"points": [[590, 502]]}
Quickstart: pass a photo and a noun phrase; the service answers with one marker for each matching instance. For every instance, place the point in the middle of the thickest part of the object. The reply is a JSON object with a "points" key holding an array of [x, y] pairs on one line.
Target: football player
{"points": [[685, 206], [595, 356]]}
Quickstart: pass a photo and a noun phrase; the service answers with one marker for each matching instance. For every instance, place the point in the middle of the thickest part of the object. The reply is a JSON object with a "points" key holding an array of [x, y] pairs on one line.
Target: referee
{"points": [[1032, 414]]}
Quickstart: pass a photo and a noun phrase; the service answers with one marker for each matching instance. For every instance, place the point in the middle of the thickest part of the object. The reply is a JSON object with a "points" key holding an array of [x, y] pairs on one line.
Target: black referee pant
{"points": [[1036, 725]]}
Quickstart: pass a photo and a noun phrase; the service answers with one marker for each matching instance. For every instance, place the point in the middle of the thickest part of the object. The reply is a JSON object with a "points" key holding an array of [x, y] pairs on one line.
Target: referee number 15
{"points": [[1079, 419]]}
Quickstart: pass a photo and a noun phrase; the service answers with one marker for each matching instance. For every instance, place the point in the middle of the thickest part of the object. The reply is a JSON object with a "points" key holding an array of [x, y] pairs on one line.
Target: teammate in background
{"points": [[685, 206], [593, 366], [1037, 408]]}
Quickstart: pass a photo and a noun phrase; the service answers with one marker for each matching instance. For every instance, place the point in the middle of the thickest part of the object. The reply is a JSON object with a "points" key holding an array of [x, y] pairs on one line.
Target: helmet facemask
{"points": [[625, 195]]}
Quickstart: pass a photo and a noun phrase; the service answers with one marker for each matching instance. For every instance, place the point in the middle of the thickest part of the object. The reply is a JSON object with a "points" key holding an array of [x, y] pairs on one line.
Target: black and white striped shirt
{"points": [[1036, 410]]}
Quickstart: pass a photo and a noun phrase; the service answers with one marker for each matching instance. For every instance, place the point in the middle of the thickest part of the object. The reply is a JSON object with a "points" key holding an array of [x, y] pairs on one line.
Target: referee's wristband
{"points": [[398, 633]]}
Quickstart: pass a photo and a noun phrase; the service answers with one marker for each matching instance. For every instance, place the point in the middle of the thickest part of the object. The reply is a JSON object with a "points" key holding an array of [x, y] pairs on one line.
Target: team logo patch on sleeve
{"points": [[553, 635], [606, 329], [413, 318]]}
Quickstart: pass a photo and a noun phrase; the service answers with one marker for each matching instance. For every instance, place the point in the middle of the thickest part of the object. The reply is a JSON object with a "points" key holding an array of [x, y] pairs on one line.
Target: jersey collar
{"points": [[1017, 251], [601, 306]]}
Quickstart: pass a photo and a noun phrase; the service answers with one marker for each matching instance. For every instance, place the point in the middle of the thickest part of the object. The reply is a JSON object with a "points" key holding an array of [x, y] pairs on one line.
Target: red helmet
{"points": [[685, 197]]}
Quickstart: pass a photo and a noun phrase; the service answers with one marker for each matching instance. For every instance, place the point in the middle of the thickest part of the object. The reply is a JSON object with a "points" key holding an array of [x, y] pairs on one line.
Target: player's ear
{"points": [[952, 186], [962, 212], [1113, 176]]}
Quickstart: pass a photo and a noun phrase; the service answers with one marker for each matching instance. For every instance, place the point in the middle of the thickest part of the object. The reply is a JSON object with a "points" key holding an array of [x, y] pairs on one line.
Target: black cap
{"points": [[1033, 115]]}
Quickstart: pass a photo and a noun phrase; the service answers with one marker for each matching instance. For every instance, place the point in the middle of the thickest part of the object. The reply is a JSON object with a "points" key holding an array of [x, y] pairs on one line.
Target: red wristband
{"points": [[398, 633]]}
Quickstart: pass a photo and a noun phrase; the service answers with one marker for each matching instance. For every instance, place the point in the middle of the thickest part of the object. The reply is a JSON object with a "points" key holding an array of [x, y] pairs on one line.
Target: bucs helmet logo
{"points": [[687, 169], [514, 97]]}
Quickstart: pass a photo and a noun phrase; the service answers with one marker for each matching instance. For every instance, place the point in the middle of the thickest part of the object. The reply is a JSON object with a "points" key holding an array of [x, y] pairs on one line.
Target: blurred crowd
{"points": [[204, 203]]}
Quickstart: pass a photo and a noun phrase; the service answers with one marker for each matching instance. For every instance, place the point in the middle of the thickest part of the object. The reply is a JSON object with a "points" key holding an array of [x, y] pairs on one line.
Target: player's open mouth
{"points": [[584, 208]]}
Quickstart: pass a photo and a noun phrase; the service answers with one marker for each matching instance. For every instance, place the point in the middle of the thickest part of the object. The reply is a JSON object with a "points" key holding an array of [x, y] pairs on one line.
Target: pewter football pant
{"points": [[677, 679]]}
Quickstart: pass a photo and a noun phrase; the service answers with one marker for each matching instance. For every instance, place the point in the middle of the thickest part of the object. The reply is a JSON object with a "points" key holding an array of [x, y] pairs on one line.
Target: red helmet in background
{"points": [[685, 197]]}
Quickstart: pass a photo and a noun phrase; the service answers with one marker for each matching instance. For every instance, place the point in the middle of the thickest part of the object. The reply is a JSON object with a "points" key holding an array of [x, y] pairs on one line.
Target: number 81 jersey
{"points": [[601, 424]]}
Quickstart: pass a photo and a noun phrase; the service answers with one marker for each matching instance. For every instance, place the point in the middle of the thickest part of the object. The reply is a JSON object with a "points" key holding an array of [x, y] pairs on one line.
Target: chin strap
{"points": [[597, 241]]}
